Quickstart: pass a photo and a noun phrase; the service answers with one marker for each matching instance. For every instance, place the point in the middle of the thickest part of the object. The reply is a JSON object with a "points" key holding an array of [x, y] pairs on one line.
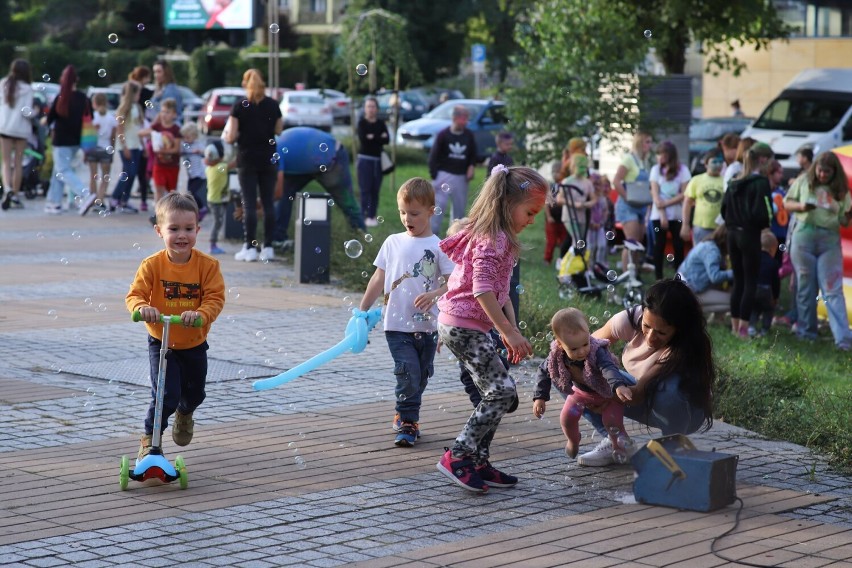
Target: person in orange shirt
{"points": [[177, 280]]}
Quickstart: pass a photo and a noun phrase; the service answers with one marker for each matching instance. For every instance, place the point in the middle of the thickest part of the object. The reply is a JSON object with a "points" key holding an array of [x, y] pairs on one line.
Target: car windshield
{"points": [[228, 100], [305, 100], [445, 111], [710, 130], [802, 114]]}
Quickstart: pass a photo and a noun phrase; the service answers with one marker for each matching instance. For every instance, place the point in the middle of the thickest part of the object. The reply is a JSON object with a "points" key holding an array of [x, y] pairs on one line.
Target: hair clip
{"points": [[498, 169], [525, 184]]}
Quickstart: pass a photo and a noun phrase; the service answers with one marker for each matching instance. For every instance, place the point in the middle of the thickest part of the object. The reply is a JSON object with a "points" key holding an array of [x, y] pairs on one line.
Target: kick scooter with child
{"points": [[155, 465]]}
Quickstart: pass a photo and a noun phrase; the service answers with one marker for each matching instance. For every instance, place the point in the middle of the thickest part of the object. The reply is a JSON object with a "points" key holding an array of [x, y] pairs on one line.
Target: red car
{"points": [[217, 107]]}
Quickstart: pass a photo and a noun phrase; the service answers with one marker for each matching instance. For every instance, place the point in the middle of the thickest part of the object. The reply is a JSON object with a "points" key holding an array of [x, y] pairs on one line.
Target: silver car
{"points": [[306, 109], [341, 104]]}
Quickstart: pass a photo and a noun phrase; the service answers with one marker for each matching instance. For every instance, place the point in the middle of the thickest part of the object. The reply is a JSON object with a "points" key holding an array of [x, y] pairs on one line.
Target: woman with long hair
{"points": [[668, 182], [372, 136], [165, 87], [635, 166], [142, 74], [668, 355], [130, 121], [16, 102], [821, 203], [66, 119], [255, 122]]}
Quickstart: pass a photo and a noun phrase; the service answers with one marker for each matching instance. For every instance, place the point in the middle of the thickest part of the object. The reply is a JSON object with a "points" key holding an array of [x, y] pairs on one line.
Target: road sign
{"points": [[477, 57]]}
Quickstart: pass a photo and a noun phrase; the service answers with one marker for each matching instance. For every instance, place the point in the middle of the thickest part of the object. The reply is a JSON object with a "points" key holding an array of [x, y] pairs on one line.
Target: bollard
{"points": [[313, 238]]}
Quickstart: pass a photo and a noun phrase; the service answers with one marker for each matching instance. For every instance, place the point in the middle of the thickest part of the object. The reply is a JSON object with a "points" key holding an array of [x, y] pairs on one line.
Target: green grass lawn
{"points": [[777, 385]]}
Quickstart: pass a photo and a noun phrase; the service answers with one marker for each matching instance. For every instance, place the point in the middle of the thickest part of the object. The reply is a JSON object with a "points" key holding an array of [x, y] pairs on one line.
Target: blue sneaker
{"points": [[397, 424], [216, 250], [406, 436]]}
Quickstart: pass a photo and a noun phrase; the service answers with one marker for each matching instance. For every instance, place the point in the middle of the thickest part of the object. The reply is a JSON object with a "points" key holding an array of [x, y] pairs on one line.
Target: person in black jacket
{"points": [[372, 136], [747, 210], [66, 119], [451, 162]]}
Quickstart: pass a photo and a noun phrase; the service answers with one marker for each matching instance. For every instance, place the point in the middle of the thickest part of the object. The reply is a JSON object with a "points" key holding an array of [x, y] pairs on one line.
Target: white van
{"points": [[814, 111]]}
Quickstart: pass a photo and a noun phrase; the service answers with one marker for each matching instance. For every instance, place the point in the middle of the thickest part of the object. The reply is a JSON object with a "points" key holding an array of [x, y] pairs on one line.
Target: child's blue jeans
{"points": [[414, 357]]}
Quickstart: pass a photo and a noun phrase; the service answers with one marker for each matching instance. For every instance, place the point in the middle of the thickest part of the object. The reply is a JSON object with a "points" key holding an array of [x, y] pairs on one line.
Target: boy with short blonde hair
{"points": [[411, 273]]}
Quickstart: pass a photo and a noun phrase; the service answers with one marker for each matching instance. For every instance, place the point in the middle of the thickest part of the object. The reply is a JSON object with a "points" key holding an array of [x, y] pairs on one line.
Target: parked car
{"points": [[705, 133], [47, 91], [192, 104], [411, 105], [217, 107], [341, 104], [487, 118], [433, 95], [113, 95], [306, 109]]}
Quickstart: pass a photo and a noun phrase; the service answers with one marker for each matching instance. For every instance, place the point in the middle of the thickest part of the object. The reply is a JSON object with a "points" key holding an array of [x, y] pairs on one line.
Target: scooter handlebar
{"points": [[199, 321]]}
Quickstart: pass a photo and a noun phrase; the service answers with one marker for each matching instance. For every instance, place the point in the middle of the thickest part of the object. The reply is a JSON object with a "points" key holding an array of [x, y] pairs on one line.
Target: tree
{"points": [[494, 26], [718, 24], [576, 74], [436, 31]]}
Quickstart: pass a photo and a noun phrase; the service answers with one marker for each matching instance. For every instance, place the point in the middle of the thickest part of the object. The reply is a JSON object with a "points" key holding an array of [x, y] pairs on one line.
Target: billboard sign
{"points": [[208, 14]]}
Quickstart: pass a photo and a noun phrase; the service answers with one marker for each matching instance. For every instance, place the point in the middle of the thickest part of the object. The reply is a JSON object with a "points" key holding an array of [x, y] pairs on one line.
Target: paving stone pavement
{"points": [[307, 474]]}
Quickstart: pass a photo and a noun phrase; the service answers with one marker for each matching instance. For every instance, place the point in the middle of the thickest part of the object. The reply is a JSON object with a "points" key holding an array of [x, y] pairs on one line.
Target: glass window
{"points": [[802, 114], [318, 6]]}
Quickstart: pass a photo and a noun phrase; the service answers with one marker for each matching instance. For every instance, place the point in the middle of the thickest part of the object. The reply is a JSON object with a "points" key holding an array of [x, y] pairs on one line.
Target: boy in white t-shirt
{"points": [[411, 272], [101, 155]]}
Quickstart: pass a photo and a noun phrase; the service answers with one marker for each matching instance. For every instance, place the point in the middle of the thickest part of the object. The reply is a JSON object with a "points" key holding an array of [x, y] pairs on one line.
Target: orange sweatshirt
{"points": [[175, 288]]}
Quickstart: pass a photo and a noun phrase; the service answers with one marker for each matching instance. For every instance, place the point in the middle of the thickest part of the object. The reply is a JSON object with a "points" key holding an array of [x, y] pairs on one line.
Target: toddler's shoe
{"points": [[461, 471], [397, 424], [600, 456], [144, 447], [216, 250], [407, 435], [493, 477], [182, 428]]}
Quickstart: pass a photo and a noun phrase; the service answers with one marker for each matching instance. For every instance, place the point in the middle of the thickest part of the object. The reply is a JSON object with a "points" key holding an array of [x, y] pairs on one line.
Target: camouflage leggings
{"points": [[475, 350]]}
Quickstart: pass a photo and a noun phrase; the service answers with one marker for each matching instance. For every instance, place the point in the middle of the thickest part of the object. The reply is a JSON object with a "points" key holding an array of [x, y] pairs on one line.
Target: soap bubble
{"points": [[260, 335], [318, 250], [274, 28], [522, 325], [112, 38], [330, 202], [102, 73], [380, 219], [110, 150], [438, 211], [26, 111], [149, 104], [323, 168], [611, 275], [122, 176], [353, 248], [87, 301], [581, 244], [368, 237], [241, 374], [361, 69], [782, 247], [648, 34], [670, 257], [234, 293], [140, 26], [445, 187], [76, 235], [45, 78], [610, 235], [593, 320], [323, 147], [307, 222], [53, 313], [520, 289], [245, 103]]}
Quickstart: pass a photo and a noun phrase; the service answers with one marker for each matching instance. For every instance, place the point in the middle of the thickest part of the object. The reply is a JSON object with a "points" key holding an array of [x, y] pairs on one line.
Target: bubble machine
{"points": [[670, 471]]}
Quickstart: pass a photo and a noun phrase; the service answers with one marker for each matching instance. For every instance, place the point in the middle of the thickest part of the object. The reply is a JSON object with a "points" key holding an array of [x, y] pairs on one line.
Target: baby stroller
{"points": [[575, 274], [31, 183]]}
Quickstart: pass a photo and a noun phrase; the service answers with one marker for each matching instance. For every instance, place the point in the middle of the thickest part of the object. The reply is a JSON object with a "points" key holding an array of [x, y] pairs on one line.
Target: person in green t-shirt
{"points": [[820, 199], [702, 201]]}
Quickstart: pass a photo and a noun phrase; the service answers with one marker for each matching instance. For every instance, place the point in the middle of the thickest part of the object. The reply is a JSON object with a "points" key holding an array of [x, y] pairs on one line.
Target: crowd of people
{"points": [[746, 230]]}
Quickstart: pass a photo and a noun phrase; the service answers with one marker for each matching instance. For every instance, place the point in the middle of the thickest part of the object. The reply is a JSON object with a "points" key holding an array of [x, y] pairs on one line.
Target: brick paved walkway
{"points": [[306, 474]]}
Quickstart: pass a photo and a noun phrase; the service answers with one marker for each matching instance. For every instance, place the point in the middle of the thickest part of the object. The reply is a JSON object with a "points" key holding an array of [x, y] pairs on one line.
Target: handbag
{"points": [[639, 193], [89, 134], [387, 164]]}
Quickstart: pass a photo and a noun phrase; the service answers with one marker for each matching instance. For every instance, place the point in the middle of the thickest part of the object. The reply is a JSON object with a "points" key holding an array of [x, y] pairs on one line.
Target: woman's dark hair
{"points": [[66, 90], [690, 348], [672, 164], [19, 70], [168, 73]]}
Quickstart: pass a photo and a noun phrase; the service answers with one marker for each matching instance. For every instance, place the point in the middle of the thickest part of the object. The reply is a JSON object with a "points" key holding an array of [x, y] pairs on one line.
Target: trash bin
{"points": [[313, 238]]}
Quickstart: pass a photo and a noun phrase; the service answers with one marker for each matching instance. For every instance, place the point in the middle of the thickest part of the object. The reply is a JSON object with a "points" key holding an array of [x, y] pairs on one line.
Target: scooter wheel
{"points": [[124, 473], [183, 477]]}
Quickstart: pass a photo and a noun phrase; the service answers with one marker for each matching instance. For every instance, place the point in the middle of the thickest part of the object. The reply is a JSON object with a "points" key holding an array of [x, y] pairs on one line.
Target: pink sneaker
{"points": [[462, 472]]}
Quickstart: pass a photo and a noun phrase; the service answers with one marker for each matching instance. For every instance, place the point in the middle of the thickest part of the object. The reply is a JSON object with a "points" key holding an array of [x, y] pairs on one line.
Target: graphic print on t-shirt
{"points": [[181, 294], [458, 151]]}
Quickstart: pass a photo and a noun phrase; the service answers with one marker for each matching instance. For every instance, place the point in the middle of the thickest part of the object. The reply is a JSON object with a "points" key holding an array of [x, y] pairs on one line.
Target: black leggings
{"points": [[660, 245], [744, 250], [258, 180]]}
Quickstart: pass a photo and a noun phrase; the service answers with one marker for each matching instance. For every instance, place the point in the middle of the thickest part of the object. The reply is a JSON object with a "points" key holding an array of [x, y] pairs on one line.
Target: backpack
{"points": [[747, 203]]}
